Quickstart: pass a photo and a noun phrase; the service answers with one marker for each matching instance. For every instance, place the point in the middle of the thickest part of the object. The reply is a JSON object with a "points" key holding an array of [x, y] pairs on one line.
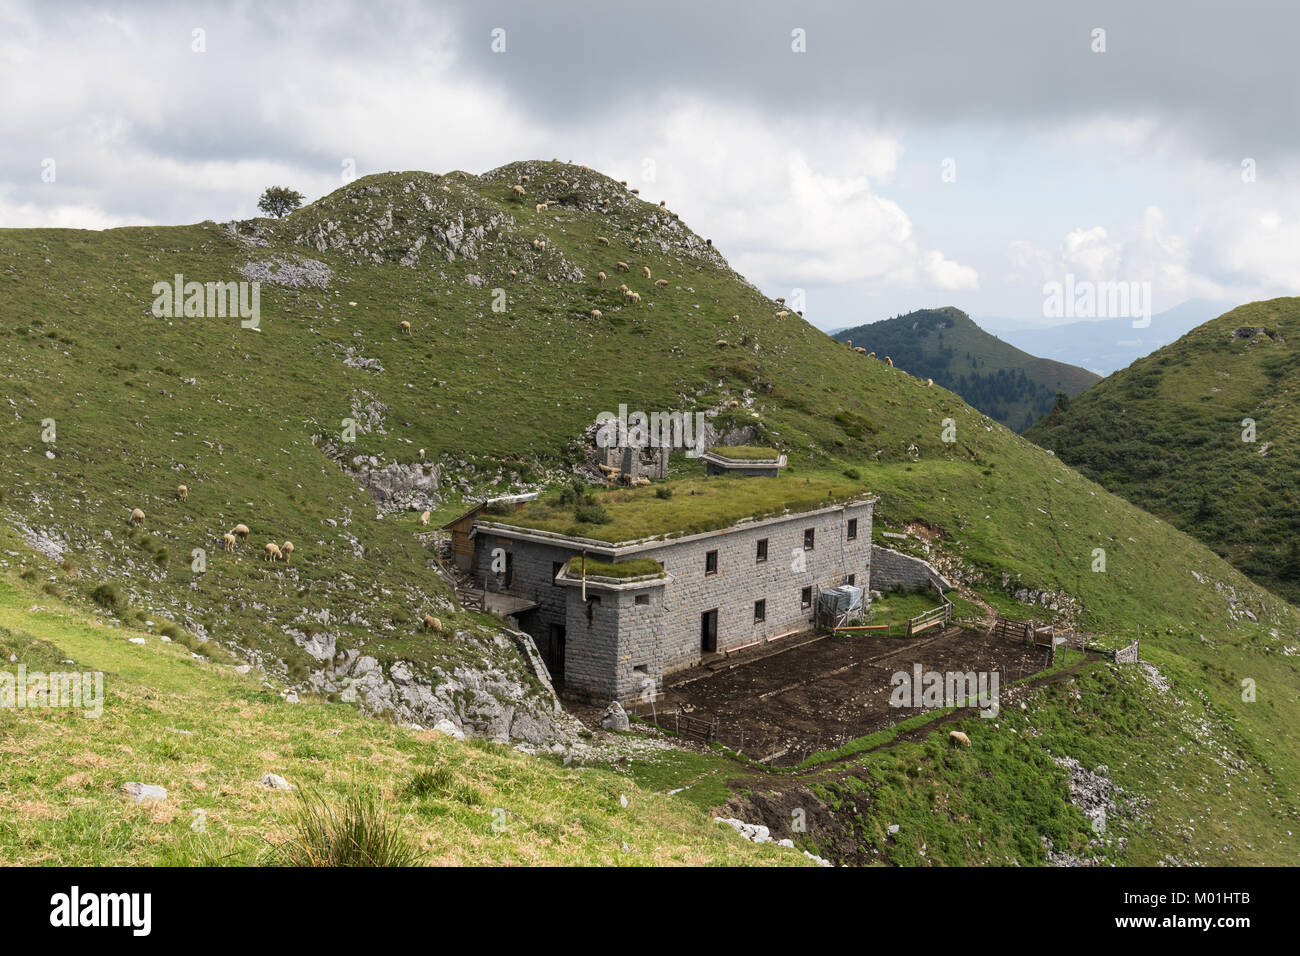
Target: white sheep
{"points": [[721, 343], [240, 531], [661, 282], [601, 276], [229, 542], [646, 270], [782, 314], [602, 240], [137, 517], [539, 244], [517, 189], [595, 313], [431, 623], [540, 207], [633, 297], [182, 492], [623, 267], [405, 326], [424, 518], [287, 549], [889, 361], [929, 383], [271, 552]]}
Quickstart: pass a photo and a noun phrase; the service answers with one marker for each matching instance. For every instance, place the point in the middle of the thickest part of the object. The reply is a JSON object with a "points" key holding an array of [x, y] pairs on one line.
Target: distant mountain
{"points": [[1107, 345], [1170, 433], [1008, 385]]}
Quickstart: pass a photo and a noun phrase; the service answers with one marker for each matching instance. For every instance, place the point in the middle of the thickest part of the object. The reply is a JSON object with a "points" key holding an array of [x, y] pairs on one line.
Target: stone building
{"points": [[608, 636]]}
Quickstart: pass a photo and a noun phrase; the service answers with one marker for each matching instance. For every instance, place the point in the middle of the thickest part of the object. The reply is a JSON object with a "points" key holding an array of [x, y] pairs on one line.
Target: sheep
{"points": [[623, 266], [421, 454], [609, 470], [513, 273], [240, 531], [782, 314], [517, 189], [601, 277], [721, 343], [524, 178], [539, 244], [137, 517], [860, 350], [271, 552], [707, 242], [780, 299], [957, 737], [636, 240], [287, 548], [405, 326], [640, 481], [636, 192], [424, 518], [564, 182], [602, 240], [929, 383], [446, 189], [734, 403], [431, 623], [646, 270], [889, 361], [871, 355], [229, 542], [661, 282], [622, 287], [182, 493], [735, 318], [540, 207], [595, 313], [633, 297]]}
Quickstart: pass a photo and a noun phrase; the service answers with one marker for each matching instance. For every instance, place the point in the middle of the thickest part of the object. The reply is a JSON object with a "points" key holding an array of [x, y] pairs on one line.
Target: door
{"points": [[709, 632], [510, 569], [555, 654]]}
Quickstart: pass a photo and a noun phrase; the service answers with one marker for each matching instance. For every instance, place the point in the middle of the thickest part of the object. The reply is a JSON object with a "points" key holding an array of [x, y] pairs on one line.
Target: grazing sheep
{"points": [[524, 178], [957, 737], [889, 361], [424, 518], [229, 542], [601, 277], [640, 481], [421, 454], [636, 241], [633, 297], [602, 240], [636, 192], [405, 326], [622, 287], [661, 282], [860, 350], [623, 182], [564, 182], [646, 270], [287, 548], [735, 318], [182, 493], [272, 552], [734, 403], [513, 273], [780, 300], [721, 343], [517, 189], [540, 207], [240, 531], [623, 267], [929, 383], [539, 244], [446, 189], [595, 313], [871, 355], [137, 517], [782, 314], [431, 623]]}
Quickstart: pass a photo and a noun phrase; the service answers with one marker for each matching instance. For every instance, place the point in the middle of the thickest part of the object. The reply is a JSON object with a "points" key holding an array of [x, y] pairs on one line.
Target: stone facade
{"points": [[892, 570], [612, 645]]}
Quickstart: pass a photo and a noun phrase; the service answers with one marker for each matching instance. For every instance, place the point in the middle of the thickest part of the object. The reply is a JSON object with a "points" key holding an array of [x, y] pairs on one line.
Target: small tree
{"points": [[278, 201]]}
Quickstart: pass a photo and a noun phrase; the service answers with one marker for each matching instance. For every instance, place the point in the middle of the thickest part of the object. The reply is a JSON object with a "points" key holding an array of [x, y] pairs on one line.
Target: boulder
{"points": [[274, 781], [615, 717], [140, 792], [445, 726]]}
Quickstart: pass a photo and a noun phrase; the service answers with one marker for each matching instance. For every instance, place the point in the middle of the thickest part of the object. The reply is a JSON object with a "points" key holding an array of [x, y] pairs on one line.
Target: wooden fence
{"points": [[940, 616]]}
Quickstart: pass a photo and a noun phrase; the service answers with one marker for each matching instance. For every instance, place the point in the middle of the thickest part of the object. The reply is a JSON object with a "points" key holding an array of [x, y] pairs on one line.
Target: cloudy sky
{"points": [[908, 155]]}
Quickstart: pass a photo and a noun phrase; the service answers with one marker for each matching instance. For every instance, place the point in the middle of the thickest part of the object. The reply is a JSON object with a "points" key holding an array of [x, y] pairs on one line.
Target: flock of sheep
{"points": [[232, 538]]}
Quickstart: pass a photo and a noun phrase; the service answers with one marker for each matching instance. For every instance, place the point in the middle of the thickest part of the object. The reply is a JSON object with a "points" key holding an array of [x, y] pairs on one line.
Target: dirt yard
{"points": [[817, 696]]}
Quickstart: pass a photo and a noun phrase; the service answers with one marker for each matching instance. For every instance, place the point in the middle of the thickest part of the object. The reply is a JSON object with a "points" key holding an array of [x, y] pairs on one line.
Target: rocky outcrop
{"points": [[398, 487]]}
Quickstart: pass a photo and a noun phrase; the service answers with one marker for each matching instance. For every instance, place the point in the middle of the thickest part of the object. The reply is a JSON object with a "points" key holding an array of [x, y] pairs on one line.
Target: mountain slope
{"points": [[499, 399], [1107, 345], [1010, 386], [1170, 433]]}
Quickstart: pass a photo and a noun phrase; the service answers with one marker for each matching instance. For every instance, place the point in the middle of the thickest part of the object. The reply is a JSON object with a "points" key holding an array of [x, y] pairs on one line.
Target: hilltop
{"points": [[1170, 433], [1010, 386], [332, 427]]}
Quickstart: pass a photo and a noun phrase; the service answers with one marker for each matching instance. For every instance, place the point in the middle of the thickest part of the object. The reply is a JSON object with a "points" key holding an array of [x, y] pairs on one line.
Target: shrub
{"points": [[359, 832], [591, 513], [107, 596], [852, 474], [664, 492]]}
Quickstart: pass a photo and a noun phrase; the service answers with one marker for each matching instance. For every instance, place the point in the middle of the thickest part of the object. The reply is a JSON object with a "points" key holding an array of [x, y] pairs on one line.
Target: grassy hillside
{"points": [[209, 735], [1169, 434], [499, 400], [1008, 385]]}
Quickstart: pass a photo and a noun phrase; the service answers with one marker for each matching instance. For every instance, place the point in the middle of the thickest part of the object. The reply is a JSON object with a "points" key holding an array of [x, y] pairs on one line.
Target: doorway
{"points": [[709, 632], [554, 655]]}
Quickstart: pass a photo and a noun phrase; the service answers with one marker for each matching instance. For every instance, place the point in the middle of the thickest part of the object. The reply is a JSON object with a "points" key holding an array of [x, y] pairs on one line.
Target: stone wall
{"points": [[892, 570]]}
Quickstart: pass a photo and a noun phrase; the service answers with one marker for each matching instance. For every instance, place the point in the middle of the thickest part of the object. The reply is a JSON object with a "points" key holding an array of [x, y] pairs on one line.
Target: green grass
{"points": [[367, 791], [696, 505], [620, 570]]}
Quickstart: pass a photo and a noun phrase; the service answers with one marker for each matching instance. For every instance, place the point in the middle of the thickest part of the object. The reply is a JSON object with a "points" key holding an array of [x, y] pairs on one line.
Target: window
{"points": [[760, 611], [556, 568], [808, 539], [711, 563], [643, 599], [850, 580], [853, 529], [761, 553], [805, 598]]}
